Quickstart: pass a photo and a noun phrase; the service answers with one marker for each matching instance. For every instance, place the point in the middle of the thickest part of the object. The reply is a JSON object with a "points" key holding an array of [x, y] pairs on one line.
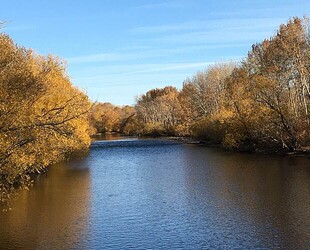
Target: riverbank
{"points": [[304, 151]]}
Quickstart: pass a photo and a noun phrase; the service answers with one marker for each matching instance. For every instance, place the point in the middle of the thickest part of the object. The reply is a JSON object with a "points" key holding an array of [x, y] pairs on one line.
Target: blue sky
{"points": [[118, 49]]}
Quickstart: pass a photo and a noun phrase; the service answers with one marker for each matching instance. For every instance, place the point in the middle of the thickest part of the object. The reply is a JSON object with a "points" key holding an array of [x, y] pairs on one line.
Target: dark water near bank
{"points": [[154, 194]]}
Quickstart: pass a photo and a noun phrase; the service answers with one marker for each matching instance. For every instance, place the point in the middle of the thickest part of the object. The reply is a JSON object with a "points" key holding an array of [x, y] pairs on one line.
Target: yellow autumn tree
{"points": [[262, 103], [106, 117], [43, 118], [159, 111]]}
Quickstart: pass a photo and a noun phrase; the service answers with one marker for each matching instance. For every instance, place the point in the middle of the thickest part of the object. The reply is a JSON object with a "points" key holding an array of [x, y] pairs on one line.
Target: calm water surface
{"points": [[155, 194]]}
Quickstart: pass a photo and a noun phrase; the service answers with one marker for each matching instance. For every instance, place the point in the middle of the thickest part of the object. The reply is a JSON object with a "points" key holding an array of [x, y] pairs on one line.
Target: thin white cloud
{"points": [[100, 57], [136, 52], [114, 57], [174, 66], [145, 68], [277, 11], [216, 24], [134, 80], [228, 31], [123, 55], [211, 37], [167, 4], [169, 27], [188, 37], [14, 27]]}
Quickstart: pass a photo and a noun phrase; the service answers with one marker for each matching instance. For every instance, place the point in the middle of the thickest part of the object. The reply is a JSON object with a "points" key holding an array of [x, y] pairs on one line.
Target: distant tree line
{"points": [[262, 102], [106, 117], [43, 118]]}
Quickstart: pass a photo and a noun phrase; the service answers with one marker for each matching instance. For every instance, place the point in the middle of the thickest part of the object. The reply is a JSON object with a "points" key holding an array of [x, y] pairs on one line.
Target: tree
{"points": [[105, 117], [278, 69], [159, 110], [42, 116]]}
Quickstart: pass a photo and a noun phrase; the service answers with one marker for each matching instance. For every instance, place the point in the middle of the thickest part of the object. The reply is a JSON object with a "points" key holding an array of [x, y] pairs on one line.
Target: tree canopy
{"points": [[43, 118]]}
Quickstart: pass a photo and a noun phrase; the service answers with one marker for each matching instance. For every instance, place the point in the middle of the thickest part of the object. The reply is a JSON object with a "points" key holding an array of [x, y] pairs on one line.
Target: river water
{"points": [[156, 194]]}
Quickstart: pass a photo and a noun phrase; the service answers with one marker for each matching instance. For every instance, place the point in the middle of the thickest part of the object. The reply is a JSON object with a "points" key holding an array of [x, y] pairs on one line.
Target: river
{"points": [[157, 194]]}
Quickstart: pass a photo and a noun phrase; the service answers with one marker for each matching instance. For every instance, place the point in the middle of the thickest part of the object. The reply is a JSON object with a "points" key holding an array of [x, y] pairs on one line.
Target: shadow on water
{"points": [[131, 143]]}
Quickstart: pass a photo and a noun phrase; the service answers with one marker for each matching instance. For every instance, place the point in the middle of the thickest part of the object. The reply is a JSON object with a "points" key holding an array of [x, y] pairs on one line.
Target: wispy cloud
{"points": [[136, 69], [172, 66], [229, 31], [167, 4], [131, 80], [187, 37], [114, 57], [130, 54], [169, 27], [216, 24], [137, 53], [7, 26], [100, 57], [277, 11], [211, 37]]}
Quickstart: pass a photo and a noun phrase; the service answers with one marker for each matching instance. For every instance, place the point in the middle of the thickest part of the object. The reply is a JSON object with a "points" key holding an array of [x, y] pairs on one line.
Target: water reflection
{"points": [[54, 213], [252, 196], [112, 137]]}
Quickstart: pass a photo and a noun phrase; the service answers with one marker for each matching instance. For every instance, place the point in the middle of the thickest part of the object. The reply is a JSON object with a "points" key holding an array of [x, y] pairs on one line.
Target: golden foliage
{"points": [[262, 103], [105, 117], [42, 116]]}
